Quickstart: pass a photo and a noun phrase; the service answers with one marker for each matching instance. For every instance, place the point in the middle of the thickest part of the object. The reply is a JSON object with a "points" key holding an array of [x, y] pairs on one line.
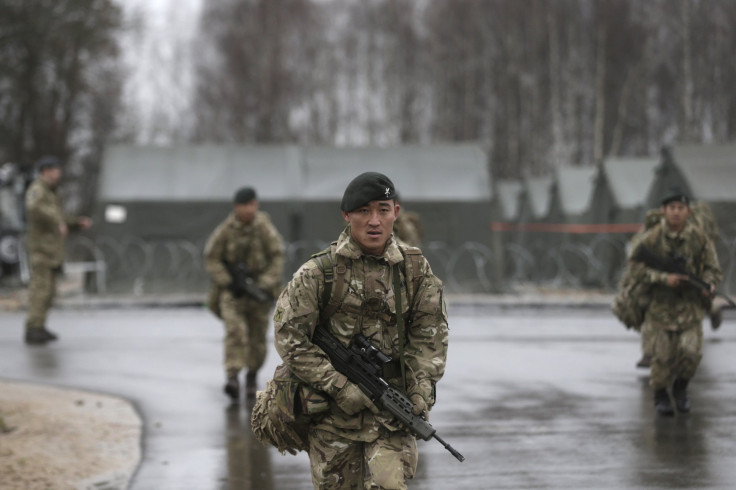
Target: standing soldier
{"points": [[356, 445], [48, 227], [245, 258], [676, 310]]}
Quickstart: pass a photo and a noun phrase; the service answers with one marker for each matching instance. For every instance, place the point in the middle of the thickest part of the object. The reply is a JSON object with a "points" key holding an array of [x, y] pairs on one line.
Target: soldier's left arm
{"points": [[214, 254], [271, 275], [712, 273], [427, 337]]}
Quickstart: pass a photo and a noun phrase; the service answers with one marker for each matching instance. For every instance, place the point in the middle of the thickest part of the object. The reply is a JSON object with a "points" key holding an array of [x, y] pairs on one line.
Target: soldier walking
{"points": [[48, 227], [675, 313], [246, 241], [353, 444]]}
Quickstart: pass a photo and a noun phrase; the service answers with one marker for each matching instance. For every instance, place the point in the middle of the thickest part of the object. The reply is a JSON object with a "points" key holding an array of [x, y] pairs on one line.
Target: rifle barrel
{"points": [[452, 450]]}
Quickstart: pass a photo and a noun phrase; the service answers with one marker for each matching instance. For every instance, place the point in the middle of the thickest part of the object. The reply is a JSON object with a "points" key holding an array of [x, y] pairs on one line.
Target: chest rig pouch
{"points": [[337, 276]]}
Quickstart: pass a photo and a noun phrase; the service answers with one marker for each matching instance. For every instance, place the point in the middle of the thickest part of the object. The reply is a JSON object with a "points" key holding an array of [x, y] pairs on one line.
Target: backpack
{"points": [[284, 410], [632, 296]]}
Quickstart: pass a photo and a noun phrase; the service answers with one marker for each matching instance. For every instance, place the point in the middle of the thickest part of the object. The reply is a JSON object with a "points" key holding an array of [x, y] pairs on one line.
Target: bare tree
{"points": [[58, 91], [248, 93], [537, 83]]}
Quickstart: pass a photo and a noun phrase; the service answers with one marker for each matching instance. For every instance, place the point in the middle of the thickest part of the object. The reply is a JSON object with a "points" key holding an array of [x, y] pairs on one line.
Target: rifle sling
{"points": [[399, 321], [331, 300]]}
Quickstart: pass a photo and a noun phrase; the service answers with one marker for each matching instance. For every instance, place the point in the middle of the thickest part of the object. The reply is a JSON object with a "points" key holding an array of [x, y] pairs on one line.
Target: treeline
{"points": [[538, 83], [59, 85]]}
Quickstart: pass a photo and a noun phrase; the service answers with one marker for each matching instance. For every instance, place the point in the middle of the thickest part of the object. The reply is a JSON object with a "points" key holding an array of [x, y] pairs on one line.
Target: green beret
{"points": [[367, 187], [675, 195], [244, 195]]}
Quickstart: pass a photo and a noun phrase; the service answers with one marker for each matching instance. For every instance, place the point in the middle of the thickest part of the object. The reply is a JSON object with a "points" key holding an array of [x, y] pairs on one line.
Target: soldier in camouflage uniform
{"points": [[356, 445], [675, 313], [48, 227], [248, 237]]}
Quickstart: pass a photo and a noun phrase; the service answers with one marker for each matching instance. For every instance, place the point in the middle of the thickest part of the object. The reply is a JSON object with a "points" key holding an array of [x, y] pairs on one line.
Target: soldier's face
{"points": [[52, 175], [676, 214], [371, 225], [246, 212]]}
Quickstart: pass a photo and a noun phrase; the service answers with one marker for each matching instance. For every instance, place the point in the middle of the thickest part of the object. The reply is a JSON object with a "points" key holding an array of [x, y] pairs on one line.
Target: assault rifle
{"points": [[674, 264], [362, 363], [244, 284]]}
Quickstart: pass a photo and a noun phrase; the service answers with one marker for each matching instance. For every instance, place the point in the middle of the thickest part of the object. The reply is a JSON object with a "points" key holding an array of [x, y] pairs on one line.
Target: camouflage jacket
{"points": [[368, 307], [681, 307], [257, 244], [44, 212]]}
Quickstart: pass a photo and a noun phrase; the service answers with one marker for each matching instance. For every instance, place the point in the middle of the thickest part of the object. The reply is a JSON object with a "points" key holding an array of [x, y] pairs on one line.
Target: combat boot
{"points": [[662, 403], [232, 388], [39, 336], [51, 335], [250, 384], [679, 393]]}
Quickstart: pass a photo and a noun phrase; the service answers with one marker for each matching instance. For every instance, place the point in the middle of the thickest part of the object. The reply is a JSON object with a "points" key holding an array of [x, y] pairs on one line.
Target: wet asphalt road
{"points": [[533, 398]]}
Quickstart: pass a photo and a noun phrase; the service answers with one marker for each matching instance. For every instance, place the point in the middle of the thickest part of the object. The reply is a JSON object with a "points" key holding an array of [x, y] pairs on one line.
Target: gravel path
{"points": [[53, 438]]}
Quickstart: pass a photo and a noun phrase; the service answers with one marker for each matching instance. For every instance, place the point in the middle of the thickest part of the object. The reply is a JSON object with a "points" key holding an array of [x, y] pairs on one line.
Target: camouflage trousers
{"points": [[648, 335], [675, 354], [41, 292], [246, 322], [339, 463]]}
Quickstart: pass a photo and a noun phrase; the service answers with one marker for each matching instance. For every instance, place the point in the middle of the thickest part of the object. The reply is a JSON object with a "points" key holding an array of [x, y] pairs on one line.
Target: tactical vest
{"points": [[337, 276]]}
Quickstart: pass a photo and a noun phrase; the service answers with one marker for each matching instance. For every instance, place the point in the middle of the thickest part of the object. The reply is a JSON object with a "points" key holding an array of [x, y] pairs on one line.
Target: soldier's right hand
{"points": [[674, 280], [352, 400]]}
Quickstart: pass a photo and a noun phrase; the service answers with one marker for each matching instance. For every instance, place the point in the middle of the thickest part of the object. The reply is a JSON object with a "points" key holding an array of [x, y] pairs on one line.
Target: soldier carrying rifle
{"points": [[678, 300], [356, 443], [244, 257]]}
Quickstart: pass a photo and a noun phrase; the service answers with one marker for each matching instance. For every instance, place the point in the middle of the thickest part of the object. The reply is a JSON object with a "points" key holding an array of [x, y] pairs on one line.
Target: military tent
{"points": [[174, 197], [625, 182]]}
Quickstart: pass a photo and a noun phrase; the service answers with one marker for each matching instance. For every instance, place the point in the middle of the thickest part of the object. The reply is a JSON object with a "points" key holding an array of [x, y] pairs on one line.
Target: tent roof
{"points": [[508, 195], [709, 169], [195, 173], [538, 190], [630, 179], [420, 173], [211, 172], [575, 188]]}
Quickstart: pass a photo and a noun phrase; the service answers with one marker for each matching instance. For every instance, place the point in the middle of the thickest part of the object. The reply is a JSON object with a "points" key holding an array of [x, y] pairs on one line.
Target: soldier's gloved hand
{"points": [[352, 400], [420, 406]]}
